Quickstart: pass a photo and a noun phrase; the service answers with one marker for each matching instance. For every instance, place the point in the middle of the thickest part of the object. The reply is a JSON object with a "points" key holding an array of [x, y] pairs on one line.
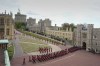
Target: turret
{"points": [[78, 32]]}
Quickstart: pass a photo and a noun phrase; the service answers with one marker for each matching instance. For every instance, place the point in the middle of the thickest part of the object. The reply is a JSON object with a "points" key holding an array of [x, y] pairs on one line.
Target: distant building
{"points": [[6, 26], [42, 25], [47, 22], [36, 28], [30, 23], [39, 27], [20, 17], [58, 32], [87, 37]]}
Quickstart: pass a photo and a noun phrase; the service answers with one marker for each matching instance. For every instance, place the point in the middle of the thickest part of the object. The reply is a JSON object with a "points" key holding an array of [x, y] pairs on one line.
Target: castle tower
{"points": [[55, 28], [78, 36], [89, 36]]}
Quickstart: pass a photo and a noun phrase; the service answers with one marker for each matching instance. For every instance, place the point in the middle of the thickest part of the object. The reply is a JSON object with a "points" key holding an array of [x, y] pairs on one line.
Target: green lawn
{"points": [[32, 41], [40, 37], [10, 51], [24, 39], [30, 45], [27, 48]]}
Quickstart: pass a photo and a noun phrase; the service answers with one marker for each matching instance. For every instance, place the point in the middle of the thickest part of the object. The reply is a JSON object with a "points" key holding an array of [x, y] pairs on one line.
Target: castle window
{"points": [[8, 22], [1, 30], [2, 21], [1, 33], [96, 44], [94, 37], [84, 35], [7, 31]]}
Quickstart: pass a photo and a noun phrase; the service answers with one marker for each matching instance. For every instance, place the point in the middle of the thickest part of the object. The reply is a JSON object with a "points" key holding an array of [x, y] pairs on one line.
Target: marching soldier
{"points": [[29, 58], [47, 50], [51, 49], [24, 61], [33, 59], [39, 49]]}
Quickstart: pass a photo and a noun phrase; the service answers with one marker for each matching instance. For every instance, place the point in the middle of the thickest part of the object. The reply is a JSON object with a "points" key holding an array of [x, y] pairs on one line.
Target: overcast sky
{"points": [[59, 11]]}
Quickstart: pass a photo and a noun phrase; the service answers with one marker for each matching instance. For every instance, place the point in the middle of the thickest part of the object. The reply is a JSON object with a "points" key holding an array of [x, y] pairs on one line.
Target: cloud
{"points": [[59, 11], [32, 13], [8, 3]]}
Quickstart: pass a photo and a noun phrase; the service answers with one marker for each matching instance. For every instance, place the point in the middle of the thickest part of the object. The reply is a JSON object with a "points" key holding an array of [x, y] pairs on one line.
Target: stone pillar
{"points": [[70, 29], [78, 36], [67, 29], [5, 28]]}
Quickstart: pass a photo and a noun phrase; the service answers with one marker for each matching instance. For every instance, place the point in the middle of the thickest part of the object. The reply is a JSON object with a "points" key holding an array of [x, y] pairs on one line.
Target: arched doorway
{"points": [[84, 45]]}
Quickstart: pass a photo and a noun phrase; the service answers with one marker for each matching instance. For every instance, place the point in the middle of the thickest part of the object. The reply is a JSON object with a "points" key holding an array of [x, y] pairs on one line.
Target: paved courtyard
{"points": [[78, 58]]}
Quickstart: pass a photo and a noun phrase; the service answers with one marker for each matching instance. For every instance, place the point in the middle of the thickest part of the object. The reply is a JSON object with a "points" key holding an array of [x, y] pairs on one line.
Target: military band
{"points": [[48, 54]]}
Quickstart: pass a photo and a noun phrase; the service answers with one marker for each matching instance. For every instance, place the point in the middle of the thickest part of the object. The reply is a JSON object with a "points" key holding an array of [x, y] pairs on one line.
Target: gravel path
{"points": [[17, 48]]}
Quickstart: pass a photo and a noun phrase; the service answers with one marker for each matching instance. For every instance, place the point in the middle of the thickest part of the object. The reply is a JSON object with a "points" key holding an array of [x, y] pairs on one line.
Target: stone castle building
{"points": [[20, 17], [43, 24], [58, 32], [6, 26], [39, 27], [87, 37], [30, 23]]}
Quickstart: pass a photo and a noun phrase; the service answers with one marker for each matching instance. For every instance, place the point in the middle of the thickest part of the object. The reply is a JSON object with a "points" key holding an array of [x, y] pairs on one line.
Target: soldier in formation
{"points": [[45, 50]]}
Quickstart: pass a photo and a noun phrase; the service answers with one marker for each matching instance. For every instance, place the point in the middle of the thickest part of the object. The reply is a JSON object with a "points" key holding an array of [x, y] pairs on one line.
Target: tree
{"points": [[20, 25], [65, 25], [72, 26]]}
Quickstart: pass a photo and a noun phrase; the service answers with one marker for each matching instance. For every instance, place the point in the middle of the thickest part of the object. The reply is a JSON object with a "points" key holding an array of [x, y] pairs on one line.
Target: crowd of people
{"points": [[45, 49], [48, 56]]}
